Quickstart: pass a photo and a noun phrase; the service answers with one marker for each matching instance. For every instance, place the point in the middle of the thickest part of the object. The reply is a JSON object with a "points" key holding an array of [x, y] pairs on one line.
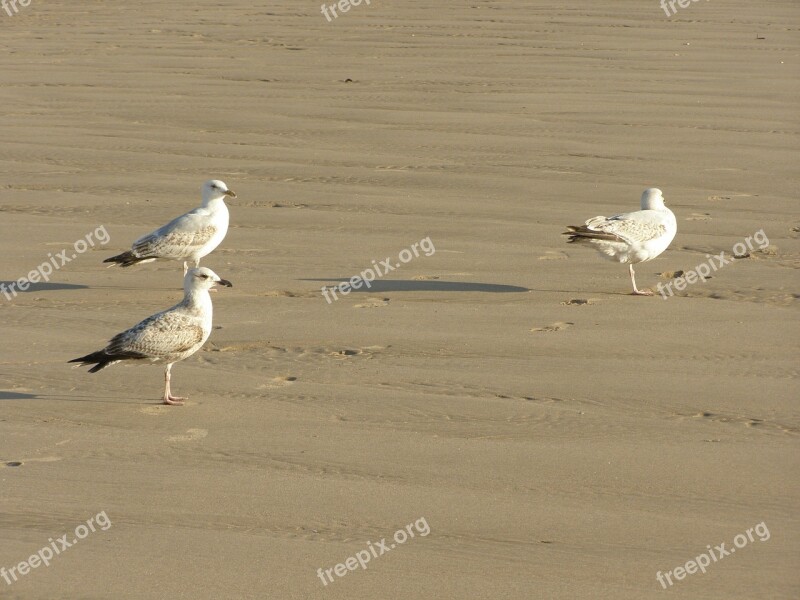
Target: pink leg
{"points": [[168, 397], [638, 292]]}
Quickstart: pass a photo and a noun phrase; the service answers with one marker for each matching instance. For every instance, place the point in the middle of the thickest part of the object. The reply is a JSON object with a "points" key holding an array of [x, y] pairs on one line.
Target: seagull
{"points": [[190, 237], [632, 237], [166, 337]]}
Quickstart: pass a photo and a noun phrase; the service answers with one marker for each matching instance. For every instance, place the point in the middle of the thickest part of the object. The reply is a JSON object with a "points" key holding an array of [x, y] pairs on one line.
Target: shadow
{"points": [[17, 396], [137, 289], [426, 285], [6, 395], [37, 287]]}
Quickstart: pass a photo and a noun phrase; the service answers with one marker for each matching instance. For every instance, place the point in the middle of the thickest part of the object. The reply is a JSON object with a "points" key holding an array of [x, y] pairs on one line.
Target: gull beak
{"points": [[225, 282], [230, 193]]}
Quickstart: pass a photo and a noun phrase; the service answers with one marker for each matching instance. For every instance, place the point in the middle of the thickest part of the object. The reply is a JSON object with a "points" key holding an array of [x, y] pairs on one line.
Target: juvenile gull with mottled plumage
{"points": [[189, 237], [166, 337], [632, 237]]}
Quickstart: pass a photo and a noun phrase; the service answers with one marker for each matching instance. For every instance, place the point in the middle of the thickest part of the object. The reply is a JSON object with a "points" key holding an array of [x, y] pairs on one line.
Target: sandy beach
{"points": [[499, 398]]}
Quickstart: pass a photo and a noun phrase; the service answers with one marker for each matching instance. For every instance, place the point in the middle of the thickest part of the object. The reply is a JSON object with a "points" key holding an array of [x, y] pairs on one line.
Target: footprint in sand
{"points": [[290, 294], [577, 302], [557, 326], [277, 382], [19, 463], [190, 436], [157, 409], [373, 303], [768, 251], [554, 255], [672, 274], [741, 420]]}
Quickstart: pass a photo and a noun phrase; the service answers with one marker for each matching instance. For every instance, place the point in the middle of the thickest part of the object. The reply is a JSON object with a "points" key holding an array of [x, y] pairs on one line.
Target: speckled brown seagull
{"points": [[166, 337], [632, 237], [189, 237]]}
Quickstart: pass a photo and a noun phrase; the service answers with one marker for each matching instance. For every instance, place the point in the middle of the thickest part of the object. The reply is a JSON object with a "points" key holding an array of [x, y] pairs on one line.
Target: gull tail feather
{"points": [[581, 233], [101, 359], [126, 259]]}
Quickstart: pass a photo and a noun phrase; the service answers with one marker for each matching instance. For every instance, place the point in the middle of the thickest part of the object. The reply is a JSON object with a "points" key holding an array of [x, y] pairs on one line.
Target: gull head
{"points": [[215, 190], [652, 199], [202, 278]]}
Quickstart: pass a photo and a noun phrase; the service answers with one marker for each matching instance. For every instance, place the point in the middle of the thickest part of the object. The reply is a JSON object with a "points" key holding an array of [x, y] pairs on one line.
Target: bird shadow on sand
{"points": [[39, 287], [137, 289], [6, 395], [53, 287], [425, 285], [11, 395]]}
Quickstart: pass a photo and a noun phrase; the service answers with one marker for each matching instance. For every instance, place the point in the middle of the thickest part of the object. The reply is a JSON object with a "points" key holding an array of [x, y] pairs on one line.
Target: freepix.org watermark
{"points": [[54, 263], [362, 557], [702, 271], [669, 5], [702, 561], [379, 269], [55, 547], [9, 5], [343, 6]]}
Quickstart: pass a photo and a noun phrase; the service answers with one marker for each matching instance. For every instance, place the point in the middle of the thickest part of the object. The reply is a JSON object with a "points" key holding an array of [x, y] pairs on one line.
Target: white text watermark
{"points": [[54, 263], [9, 5], [362, 557], [54, 548], [379, 269], [702, 561], [702, 271], [343, 6], [667, 5]]}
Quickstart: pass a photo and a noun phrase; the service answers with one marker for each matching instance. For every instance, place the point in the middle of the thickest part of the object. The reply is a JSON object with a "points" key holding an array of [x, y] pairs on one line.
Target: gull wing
{"points": [[178, 238], [631, 228], [165, 333]]}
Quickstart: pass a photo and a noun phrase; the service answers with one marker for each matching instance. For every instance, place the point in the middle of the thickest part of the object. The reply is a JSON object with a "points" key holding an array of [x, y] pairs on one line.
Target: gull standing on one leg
{"points": [[166, 337], [632, 237], [189, 237]]}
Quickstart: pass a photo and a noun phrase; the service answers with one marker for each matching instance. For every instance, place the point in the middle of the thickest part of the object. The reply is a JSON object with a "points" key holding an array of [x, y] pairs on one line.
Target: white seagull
{"points": [[189, 237], [168, 336], [632, 237]]}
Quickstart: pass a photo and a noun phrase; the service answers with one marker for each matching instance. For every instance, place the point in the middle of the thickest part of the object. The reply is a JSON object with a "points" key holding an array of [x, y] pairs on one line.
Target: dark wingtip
{"points": [[572, 230], [99, 359], [126, 259], [119, 258]]}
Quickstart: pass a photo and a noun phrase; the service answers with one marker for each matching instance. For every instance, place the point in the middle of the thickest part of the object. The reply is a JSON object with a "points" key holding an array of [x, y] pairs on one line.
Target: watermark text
{"points": [[362, 557], [379, 269], [55, 547], [54, 263], [669, 5], [702, 271], [343, 6], [705, 559], [9, 5]]}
